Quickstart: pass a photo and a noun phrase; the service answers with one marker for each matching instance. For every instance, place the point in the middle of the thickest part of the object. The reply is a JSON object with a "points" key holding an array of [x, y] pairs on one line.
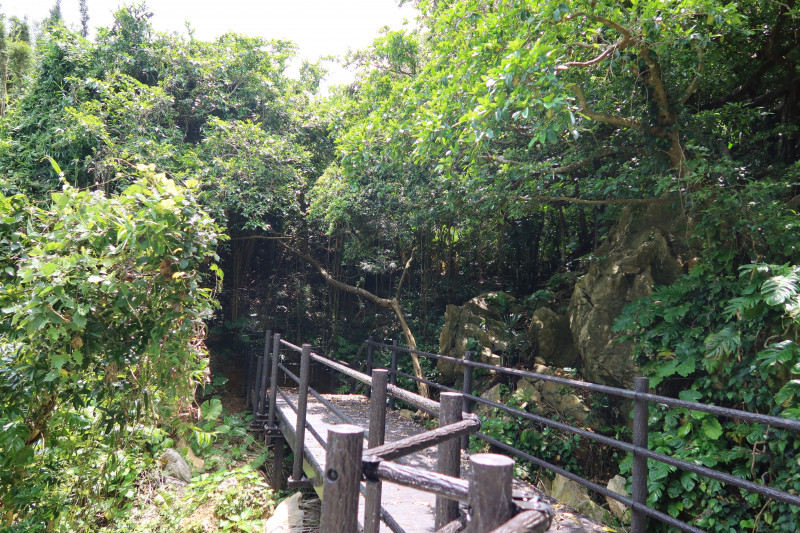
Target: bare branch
{"points": [[393, 304]]}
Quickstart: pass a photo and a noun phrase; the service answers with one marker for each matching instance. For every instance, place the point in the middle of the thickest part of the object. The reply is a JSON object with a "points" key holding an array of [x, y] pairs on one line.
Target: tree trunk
{"points": [[392, 303]]}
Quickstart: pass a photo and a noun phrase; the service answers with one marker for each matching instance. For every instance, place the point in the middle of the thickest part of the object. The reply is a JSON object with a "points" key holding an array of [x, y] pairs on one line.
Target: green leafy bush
{"points": [[103, 300], [729, 341]]}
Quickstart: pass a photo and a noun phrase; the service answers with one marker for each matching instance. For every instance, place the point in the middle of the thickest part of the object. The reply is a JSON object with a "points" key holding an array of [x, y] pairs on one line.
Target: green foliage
{"points": [[104, 304], [229, 495], [543, 442], [732, 342]]}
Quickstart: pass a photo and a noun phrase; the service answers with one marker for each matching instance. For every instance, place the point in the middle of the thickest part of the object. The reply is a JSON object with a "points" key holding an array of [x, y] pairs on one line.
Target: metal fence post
{"points": [[393, 375], [341, 478], [273, 384], [377, 431], [467, 389], [262, 389], [639, 471], [450, 405], [302, 403], [490, 491]]}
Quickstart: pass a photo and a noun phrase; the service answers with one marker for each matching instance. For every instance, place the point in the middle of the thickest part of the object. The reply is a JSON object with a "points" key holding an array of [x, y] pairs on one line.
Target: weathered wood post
{"points": [[249, 378], [639, 469], [370, 364], [273, 384], [490, 491], [262, 389], [302, 403], [278, 479], [256, 382], [377, 432], [450, 405], [467, 389], [393, 375], [341, 479]]}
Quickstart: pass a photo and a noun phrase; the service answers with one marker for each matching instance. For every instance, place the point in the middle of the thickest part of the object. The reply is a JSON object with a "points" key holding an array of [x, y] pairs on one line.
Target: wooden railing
{"points": [[488, 495]]}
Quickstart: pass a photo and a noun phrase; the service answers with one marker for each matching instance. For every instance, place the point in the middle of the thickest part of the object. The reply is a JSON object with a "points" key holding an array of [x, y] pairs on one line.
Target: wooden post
{"points": [[393, 375], [370, 364], [302, 403], [248, 381], [256, 382], [273, 384], [262, 388], [490, 491], [377, 431], [467, 389], [277, 464], [340, 480], [449, 455], [639, 469]]}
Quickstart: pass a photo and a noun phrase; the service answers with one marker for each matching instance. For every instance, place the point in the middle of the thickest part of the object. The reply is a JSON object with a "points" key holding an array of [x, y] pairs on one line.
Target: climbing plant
{"points": [[104, 300]]}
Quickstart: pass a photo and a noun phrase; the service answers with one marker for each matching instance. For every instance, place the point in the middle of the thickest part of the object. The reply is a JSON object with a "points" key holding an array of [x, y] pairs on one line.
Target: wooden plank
{"points": [[412, 509]]}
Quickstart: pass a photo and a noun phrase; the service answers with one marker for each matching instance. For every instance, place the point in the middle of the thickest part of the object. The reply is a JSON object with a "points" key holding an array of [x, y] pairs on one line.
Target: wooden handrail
{"points": [[347, 463]]}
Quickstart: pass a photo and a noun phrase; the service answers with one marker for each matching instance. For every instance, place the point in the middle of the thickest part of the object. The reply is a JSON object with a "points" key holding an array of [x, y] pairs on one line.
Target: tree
{"points": [[84, 8]]}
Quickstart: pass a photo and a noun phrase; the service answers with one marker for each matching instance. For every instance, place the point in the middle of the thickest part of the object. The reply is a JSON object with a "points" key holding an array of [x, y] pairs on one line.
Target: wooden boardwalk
{"points": [[412, 509]]}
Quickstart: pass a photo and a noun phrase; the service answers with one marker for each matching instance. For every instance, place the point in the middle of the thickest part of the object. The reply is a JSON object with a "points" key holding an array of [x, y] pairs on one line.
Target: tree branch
{"points": [[690, 90], [629, 201], [393, 304], [616, 47], [403, 275], [601, 117], [555, 170]]}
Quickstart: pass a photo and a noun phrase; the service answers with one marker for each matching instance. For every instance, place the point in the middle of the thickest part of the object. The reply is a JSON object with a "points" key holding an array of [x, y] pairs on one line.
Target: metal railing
{"points": [[488, 494], [641, 398]]}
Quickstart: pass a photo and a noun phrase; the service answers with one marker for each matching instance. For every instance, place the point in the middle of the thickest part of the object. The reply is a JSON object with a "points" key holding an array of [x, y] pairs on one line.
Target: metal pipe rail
{"points": [[638, 448], [774, 421], [488, 512]]}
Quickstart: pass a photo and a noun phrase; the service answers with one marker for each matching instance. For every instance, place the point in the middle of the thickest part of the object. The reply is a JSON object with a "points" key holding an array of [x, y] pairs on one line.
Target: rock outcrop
{"points": [[552, 396], [576, 496], [175, 466], [551, 339], [481, 319], [638, 254]]}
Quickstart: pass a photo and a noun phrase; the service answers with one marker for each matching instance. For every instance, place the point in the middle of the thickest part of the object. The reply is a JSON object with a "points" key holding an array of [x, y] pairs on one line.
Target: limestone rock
{"points": [[617, 484], [528, 392], [554, 396], [481, 319], [493, 395], [174, 465], [575, 495], [288, 516], [197, 462], [551, 339], [641, 251]]}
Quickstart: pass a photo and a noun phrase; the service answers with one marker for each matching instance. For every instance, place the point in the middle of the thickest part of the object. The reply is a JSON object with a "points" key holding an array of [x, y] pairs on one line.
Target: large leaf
{"points": [[777, 290]]}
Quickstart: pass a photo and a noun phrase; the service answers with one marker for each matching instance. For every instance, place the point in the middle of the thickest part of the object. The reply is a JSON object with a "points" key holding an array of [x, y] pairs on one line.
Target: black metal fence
{"points": [[641, 399]]}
